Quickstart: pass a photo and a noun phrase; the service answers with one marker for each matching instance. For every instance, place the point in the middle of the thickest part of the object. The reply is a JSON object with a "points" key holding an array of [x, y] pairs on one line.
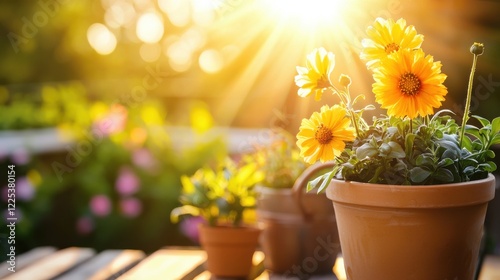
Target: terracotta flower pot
{"points": [[410, 232], [299, 232], [229, 249]]}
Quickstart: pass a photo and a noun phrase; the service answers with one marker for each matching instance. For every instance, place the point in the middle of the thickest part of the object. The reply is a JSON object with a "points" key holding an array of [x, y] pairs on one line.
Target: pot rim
{"points": [[414, 196]]}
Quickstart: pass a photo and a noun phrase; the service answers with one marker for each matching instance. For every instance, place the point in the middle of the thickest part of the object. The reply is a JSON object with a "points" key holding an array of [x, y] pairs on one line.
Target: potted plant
{"points": [[410, 190], [222, 196], [294, 223]]}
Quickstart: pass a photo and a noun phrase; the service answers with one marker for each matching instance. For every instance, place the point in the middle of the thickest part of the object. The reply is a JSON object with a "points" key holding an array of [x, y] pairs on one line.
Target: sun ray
{"points": [[273, 37]]}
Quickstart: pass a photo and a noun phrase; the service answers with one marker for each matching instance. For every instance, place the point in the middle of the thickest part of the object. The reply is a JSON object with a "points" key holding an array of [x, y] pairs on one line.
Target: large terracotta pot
{"points": [[299, 235], [229, 249], [391, 232]]}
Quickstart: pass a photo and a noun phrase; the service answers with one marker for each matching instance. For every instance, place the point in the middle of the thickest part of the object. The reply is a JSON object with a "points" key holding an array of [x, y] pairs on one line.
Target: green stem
{"points": [[353, 116], [467, 102], [346, 99]]}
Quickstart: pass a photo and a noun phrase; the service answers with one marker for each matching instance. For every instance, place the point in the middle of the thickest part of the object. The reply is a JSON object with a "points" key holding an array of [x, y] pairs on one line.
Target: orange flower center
{"points": [[409, 84], [323, 135], [323, 82], [392, 47]]}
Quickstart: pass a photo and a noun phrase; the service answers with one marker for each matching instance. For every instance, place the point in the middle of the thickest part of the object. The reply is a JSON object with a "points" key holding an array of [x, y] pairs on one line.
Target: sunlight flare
{"points": [[308, 13]]}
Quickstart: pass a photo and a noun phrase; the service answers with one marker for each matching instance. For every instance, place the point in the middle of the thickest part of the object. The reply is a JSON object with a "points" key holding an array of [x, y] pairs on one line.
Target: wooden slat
{"points": [[53, 264], [257, 269], [166, 264], [268, 276], [26, 259], [104, 265], [490, 269]]}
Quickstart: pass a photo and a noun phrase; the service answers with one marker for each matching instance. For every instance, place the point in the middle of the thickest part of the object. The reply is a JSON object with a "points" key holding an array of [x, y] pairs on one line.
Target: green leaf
{"points": [[396, 150], [482, 120], [445, 162], [375, 179], [495, 140], [469, 170], [495, 125], [436, 115], [472, 130], [312, 184], [328, 177], [467, 143], [366, 150], [424, 160], [409, 140], [418, 174], [489, 166], [444, 175], [489, 154]]}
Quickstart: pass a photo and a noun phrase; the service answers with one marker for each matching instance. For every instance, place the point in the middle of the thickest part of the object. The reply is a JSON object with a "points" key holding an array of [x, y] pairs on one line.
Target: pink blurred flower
{"points": [[20, 157], [24, 189], [189, 227], [112, 122], [127, 182], [131, 207], [84, 225], [143, 159], [100, 205]]}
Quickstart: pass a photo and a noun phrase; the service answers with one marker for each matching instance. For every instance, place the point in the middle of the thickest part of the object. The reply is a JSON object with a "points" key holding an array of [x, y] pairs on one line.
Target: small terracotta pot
{"points": [[299, 232], [410, 232], [229, 249]]}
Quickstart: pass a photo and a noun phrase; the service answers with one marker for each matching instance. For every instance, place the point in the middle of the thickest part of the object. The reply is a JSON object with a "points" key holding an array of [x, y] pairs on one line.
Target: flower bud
{"points": [[344, 80], [477, 48]]}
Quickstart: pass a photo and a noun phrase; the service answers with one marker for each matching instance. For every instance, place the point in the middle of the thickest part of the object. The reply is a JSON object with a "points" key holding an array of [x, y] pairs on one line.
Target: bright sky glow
{"points": [[309, 13], [261, 41]]}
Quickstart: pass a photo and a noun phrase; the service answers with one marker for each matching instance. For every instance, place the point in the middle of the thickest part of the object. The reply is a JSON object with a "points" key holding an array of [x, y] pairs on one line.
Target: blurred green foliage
{"points": [[280, 160], [114, 187], [46, 106]]}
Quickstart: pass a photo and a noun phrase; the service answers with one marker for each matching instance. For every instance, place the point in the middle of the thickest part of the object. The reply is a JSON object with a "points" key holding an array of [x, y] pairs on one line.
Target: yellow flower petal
{"points": [[409, 84], [323, 136], [315, 77], [385, 37]]}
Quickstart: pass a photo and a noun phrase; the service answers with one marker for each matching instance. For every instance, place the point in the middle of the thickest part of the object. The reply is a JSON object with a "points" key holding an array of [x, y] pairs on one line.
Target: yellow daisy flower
{"points": [[323, 136], [386, 37], [315, 77], [409, 83]]}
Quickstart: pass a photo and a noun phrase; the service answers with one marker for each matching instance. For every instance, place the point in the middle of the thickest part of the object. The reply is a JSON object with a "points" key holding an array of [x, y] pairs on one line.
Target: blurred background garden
{"points": [[104, 104]]}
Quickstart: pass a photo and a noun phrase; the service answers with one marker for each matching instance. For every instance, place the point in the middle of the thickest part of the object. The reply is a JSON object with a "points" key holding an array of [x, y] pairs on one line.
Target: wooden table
{"points": [[165, 264], [84, 263]]}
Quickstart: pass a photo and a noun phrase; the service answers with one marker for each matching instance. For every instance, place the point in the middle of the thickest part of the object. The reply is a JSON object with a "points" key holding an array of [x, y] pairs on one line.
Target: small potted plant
{"points": [[294, 223], [223, 196], [410, 189]]}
